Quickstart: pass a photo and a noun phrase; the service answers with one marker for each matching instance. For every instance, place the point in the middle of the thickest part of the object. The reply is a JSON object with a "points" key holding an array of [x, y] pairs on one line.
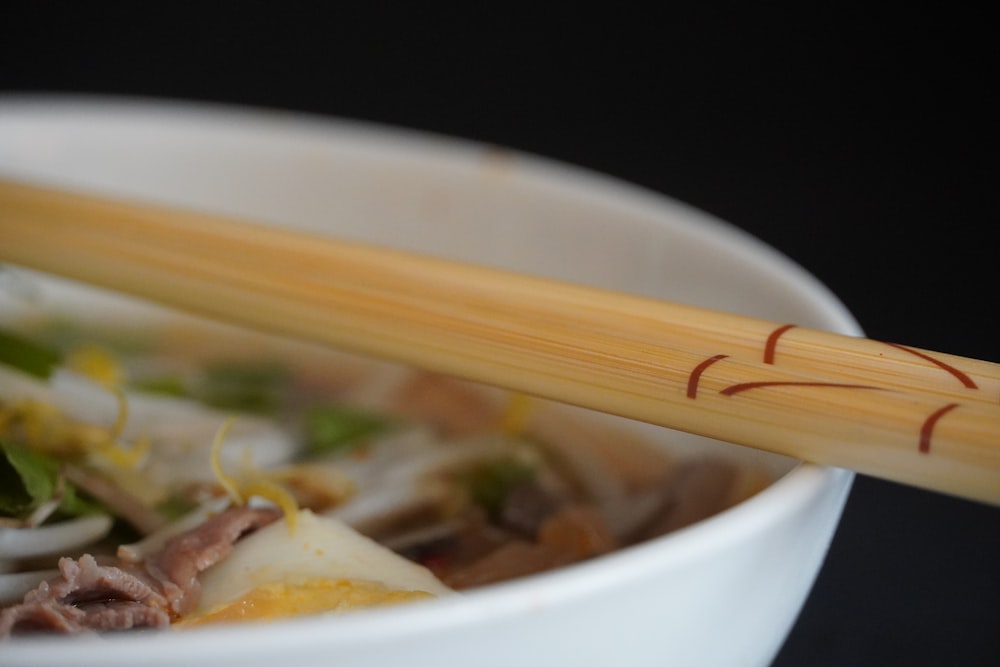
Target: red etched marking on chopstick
{"points": [[692, 390], [927, 429], [772, 342], [962, 377], [747, 386]]}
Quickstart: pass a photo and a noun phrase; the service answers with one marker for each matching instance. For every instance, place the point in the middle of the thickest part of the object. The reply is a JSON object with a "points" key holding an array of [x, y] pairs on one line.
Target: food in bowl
{"points": [[193, 474]]}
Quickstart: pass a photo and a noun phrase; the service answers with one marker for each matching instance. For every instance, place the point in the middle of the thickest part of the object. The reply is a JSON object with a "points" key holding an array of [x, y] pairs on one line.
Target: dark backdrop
{"points": [[861, 145]]}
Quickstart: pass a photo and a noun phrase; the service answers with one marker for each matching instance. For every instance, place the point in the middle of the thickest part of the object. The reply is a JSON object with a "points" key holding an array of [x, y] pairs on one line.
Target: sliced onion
{"points": [[14, 586], [55, 538]]}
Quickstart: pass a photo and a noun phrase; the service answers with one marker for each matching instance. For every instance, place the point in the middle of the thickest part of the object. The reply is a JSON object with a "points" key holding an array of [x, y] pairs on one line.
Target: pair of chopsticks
{"points": [[922, 418]]}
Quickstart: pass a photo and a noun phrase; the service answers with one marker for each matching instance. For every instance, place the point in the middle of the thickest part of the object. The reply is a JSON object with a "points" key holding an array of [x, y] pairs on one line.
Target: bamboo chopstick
{"points": [[913, 416]]}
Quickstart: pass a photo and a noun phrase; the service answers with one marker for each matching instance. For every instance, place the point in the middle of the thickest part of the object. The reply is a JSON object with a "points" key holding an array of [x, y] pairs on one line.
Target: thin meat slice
{"points": [[90, 596], [85, 580], [189, 554], [124, 615], [41, 616], [75, 600]]}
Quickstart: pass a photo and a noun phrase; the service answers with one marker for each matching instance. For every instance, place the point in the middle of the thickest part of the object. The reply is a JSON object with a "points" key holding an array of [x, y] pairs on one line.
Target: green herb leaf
{"points": [[332, 428], [27, 356], [15, 501], [28, 479], [37, 472], [489, 484], [74, 503], [244, 387], [165, 385]]}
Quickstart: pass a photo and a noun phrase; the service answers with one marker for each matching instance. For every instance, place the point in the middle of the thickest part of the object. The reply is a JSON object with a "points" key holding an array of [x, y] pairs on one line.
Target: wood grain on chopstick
{"points": [[914, 416]]}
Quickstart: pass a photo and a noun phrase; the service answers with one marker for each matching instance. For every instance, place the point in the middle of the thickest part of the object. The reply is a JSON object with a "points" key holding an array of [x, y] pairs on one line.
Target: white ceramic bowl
{"points": [[722, 592]]}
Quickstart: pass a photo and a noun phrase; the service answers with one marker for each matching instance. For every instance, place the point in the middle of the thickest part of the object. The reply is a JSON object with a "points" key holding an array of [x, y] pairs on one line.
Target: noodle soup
{"points": [[176, 443]]}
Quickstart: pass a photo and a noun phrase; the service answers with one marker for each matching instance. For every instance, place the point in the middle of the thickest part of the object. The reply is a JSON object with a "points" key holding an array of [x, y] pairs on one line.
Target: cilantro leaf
{"points": [[164, 385], [332, 428], [245, 387], [29, 479], [489, 484], [27, 356]]}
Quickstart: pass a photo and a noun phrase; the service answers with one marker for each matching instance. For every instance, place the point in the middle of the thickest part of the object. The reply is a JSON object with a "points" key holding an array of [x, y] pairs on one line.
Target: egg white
{"points": [[318, 549]]}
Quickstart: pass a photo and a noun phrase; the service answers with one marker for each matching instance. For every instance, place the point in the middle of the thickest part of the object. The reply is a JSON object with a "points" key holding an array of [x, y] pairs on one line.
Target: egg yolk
{"points": [[276, 601]]}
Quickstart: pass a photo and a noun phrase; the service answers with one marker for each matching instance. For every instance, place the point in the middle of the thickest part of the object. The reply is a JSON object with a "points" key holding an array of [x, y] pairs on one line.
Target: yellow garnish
{"points": [[115, 453], [40, 422], [318, 488], [254, 483], [227, 482], [116, 429], [44, 427], [102, 367], [277, 494], [110, 447], [515, 418], [98, 364]]}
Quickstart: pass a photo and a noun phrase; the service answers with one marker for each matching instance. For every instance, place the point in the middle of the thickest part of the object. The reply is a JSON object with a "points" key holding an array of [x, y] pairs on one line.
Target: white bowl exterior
{"points": [[723, 592]]}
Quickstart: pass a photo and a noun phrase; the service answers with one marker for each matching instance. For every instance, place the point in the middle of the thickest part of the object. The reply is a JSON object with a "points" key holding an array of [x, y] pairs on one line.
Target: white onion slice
{"points": [[56, 538], [319, 547], [14, 586]]}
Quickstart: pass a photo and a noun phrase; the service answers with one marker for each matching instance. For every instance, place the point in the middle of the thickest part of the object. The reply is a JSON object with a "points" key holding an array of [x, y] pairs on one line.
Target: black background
{"points": [[861, 145]]}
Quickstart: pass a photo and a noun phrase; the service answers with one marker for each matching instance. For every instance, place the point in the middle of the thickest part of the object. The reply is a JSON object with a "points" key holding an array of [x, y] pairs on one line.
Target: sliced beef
{"points": [[123, 615], [90, 596], [187, 555], [85, 580], [41, 616]]}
